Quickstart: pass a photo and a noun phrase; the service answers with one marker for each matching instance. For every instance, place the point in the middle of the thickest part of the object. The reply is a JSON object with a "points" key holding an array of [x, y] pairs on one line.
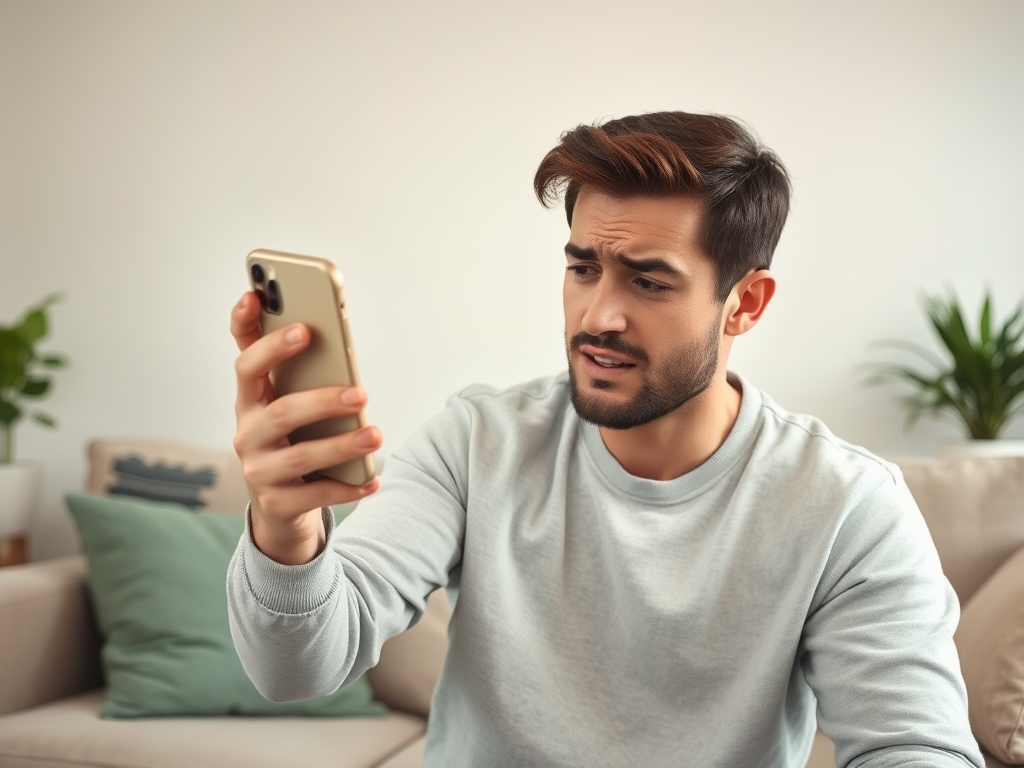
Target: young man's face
{"points": [[642, 324]]}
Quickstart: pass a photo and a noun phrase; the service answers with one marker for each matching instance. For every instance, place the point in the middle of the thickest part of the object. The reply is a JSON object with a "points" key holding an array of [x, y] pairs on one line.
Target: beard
{"points": [[665, 386]]}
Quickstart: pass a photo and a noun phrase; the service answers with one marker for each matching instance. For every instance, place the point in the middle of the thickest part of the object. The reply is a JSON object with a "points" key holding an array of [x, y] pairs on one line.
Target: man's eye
{"points": [[580, 270], [650, 287]]}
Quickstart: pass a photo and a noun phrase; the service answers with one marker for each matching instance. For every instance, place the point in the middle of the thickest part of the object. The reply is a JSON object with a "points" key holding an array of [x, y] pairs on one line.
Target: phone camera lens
{"points": [[262, 297], [273, 297], [257, 273]]}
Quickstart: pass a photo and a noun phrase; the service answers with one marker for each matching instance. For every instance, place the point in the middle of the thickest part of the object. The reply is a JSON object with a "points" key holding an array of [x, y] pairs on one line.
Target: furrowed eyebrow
{"points": [[653, 264], [583, 254], [649, 265]]}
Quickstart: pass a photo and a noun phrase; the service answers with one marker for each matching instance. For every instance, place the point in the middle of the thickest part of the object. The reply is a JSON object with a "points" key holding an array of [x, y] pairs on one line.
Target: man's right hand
{"points": [[285, 511]]}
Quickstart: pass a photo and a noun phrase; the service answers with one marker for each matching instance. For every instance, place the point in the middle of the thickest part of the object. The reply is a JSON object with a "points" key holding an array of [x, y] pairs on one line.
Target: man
{"points": [[657, 565]]}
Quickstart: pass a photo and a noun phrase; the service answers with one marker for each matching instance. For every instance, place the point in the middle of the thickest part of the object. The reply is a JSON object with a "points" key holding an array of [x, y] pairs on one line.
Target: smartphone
{"points": [[308, 290]]}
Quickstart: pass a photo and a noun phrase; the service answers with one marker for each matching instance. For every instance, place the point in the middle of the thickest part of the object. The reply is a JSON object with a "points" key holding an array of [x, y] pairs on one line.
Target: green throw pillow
{"points": [[156, 576]]}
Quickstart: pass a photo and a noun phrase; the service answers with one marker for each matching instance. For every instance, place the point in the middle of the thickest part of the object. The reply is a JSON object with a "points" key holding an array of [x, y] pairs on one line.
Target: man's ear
{"points": [[748, 301]]}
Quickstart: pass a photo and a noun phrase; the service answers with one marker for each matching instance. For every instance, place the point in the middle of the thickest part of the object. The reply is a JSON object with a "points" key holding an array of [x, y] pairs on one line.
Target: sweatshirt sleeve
{"points": [[304, 631], [878, 643]]}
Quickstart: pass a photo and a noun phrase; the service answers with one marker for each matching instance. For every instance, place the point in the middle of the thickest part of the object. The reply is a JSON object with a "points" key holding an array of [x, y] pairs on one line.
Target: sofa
{"points": [[51, 676]]}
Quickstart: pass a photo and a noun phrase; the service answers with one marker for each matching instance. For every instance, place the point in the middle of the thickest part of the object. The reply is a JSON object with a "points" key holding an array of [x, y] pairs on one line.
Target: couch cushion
{"points": [[990, 641], [974, 508], [157, 576], [410, 757], [70, 733]]}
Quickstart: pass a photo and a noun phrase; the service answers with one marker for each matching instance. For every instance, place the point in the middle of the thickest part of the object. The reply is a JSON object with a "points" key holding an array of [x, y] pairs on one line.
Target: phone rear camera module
{"points": [[257, 274], [273, 297]]}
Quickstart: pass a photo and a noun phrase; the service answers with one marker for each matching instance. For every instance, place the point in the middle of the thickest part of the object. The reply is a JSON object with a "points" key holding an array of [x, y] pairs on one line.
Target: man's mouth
{"points": [[604, 360], [607, 362]]}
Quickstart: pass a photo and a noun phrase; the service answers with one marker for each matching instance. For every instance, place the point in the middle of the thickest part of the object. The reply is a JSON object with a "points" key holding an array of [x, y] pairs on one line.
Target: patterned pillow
{"points": [[160, 470]]}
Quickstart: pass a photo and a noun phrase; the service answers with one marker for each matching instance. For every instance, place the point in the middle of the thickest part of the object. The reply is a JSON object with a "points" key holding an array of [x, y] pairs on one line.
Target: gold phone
{"points": [[308, 290]]}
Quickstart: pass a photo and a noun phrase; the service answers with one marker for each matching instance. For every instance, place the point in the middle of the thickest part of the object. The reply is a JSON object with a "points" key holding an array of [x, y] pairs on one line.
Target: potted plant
{"points": [[979, 379], [22, 379]]}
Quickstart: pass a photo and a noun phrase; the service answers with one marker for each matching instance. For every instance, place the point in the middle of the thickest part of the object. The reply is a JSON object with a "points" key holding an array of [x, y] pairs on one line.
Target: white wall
{"points": [[147, 147]]}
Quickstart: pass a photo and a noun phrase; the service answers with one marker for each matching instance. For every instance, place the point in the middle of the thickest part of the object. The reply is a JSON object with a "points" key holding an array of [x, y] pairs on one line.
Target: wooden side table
{"points": [[14, 550]]}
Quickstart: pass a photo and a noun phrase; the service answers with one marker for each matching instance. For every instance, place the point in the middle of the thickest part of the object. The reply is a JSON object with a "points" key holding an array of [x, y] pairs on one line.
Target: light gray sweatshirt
{"points": [[609, 620]]}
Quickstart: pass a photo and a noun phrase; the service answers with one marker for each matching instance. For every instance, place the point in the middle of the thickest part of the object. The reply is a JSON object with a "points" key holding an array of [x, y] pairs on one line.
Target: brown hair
{"points": [[744, 186]]}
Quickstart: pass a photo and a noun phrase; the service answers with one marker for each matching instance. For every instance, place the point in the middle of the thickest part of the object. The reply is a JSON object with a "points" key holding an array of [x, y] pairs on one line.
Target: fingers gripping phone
{"points": [[305, 289]]}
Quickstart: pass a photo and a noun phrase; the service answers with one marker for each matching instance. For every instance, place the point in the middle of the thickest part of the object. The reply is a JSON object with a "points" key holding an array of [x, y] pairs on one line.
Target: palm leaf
{"points": [[986, 321], [915, 348]]}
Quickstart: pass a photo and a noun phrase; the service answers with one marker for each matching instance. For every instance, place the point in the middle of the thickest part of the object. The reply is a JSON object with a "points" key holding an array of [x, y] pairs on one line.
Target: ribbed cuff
{"points": [[290, 589]]}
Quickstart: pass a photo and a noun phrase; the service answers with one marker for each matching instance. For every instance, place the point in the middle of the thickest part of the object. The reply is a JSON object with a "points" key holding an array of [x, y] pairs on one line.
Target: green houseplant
{"points": [[20, 375], [22, 378], [979, 379]]}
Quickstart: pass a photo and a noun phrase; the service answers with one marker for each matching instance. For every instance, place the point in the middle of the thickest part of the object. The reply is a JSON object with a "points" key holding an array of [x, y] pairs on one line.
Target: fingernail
{"points": [[352, 396], [294, 335], [241, 301], [367, 438]]}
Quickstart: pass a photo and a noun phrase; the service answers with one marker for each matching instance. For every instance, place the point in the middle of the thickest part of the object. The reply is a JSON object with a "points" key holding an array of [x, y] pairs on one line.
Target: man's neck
{"points": [[680, 441]]}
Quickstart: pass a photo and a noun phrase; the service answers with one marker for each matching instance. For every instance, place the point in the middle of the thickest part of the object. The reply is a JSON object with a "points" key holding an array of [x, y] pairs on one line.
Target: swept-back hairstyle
{"points": [[744, 186]]}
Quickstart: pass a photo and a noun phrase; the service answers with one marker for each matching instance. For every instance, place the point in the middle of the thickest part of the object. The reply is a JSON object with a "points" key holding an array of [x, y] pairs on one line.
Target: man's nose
{"points": [[605, 311]]}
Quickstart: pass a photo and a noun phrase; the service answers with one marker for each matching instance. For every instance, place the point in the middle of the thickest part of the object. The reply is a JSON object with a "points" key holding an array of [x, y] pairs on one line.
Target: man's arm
{"points": [[878, 643], [305, 630], [306, 617]]}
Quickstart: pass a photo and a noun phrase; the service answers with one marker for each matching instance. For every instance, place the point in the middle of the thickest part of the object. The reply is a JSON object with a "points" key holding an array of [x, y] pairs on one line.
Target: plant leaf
{"points": [[33, 326], [9, 412], [923, 352], [894, 371], [54, 361], [44, 418], [986, 320], [15, 353], [1008, 337], [35, 387]]}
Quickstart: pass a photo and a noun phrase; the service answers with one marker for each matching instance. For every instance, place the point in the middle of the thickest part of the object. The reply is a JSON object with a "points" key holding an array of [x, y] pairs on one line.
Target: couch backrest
{"points": [[974, 508]]}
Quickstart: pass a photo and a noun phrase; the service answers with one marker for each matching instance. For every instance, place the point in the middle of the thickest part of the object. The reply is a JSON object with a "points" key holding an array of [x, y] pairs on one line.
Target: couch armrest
{"points": [[49, 646]]}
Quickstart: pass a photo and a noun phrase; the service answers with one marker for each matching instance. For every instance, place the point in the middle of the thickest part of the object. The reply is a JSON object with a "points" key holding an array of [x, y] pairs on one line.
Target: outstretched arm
{"points": [[878, 643]]}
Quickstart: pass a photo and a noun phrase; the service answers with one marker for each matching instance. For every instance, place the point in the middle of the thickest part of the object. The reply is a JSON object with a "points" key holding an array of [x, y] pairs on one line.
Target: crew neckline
{"points": [[694, 482]]}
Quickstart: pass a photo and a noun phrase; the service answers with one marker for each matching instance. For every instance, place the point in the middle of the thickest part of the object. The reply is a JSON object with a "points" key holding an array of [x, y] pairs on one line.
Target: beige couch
{"points": [[50, 675]]}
